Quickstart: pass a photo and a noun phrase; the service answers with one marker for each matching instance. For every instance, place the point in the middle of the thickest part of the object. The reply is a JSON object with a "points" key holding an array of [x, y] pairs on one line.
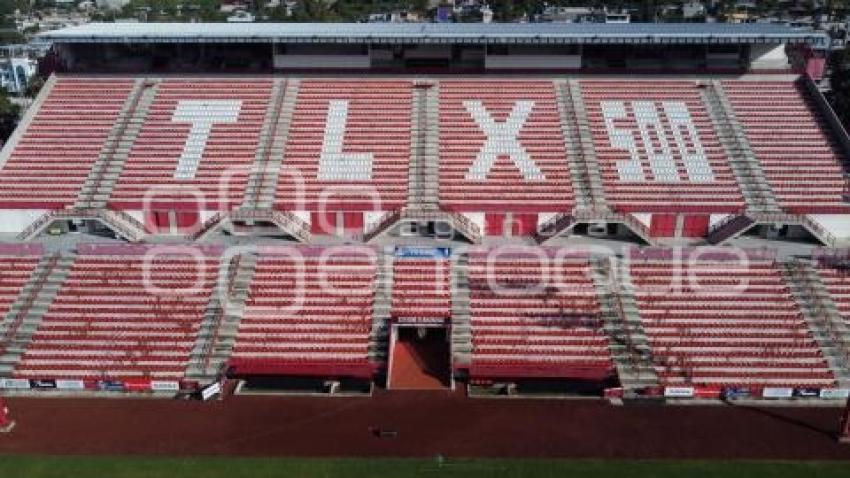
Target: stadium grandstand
{"points": [[628, 211]]}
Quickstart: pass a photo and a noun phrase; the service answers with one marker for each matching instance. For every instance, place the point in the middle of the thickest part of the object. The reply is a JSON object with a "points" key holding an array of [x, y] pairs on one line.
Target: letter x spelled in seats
{"points": [[502, 139], [202, 114]]}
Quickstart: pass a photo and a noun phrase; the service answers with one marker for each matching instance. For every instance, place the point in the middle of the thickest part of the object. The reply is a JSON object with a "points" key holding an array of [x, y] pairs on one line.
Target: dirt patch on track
{"points": [[427, 424]]}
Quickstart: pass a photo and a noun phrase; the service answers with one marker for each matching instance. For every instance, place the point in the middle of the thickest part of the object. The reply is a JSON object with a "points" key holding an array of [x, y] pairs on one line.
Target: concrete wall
{"points": [[16, 220], [322, 61], [837, 224], [559, 62], [768, 56], [643, 218], [476, 218], [429, 52]]}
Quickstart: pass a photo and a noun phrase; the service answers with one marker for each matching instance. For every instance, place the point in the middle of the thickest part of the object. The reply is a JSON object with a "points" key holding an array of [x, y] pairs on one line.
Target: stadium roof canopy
{"points": [[465, 33]]}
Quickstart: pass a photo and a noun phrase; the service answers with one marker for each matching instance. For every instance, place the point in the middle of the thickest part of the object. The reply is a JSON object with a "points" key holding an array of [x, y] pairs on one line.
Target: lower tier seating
{"points": [[307, 316], [724, 323], [535, 320], [421, 289], [122, 317], [15, 271]]}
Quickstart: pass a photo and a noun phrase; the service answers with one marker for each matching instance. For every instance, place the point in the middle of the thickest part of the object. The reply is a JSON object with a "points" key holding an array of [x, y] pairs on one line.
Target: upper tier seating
{"points": [[640, 188], [800, 157], [421, 288], [721, 323], [116, 317], [534, 320], [363, 163], [530, 174], [15, 271], [500, 145], [307, 315], [50, 163], [196, 146]]}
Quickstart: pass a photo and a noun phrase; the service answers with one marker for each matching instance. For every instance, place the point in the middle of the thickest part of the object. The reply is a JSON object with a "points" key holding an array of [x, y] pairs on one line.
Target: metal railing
{"points": [[554, 226], [383, 223], [206, 226], [119, 221], [123, 222], [458, 221], [801, 219], [36, 225], [286, 221]]}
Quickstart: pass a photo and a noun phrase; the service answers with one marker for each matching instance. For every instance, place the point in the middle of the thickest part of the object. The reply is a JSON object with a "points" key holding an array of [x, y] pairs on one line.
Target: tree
{"points": [[34, 86], [9, 113], [314, 11], [840, 83], [8, 33]]}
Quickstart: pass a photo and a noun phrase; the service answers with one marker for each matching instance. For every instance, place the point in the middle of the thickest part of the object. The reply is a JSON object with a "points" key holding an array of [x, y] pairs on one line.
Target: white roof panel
{"points": [[434, 33]]}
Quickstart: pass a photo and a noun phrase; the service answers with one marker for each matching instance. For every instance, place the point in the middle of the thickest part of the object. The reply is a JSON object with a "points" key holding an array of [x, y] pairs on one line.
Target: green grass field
{"points": [[114, 467]]}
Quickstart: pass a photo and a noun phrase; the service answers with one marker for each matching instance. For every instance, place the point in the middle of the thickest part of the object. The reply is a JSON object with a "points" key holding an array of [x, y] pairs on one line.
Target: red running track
{"points": [[428, 423]]}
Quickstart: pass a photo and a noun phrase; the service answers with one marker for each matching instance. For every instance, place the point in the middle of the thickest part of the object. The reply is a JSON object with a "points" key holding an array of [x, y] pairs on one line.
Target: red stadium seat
{"points": [[421, 289], [716, 323], [112, 320], [219, 183], [789, 136], [533, 319], [311, 311], [506, 187], [658, 194], [52, 160]]}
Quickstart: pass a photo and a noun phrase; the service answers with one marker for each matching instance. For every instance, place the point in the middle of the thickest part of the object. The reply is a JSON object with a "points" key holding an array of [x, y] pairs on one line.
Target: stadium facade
{"points": [[421, 167]]}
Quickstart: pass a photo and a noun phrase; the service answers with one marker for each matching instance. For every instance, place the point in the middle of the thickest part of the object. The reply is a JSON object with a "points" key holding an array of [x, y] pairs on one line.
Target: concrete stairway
{"points": [[559, 225], [584, 168], [207, 229], [823, 318], [730, 228], [261, 187], [119, 222], [762, 207], [379, 337], [562, 223], [628, 343], [220, 323], [581, 154], [747, 169], [736, 225], [461, 331], [25, 314], [423, 178], [287, 222], [458, 222], [110, 162], [382, 226]]}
